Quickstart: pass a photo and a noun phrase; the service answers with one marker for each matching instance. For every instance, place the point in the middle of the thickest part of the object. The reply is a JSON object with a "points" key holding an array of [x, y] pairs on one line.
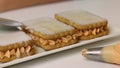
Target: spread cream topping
{"points": [[11, 37], [47, 26], [81, 17]]}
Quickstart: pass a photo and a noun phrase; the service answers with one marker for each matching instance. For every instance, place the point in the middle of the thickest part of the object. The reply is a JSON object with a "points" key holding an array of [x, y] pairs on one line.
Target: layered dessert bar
{"points": [[88, 24], [49, 33], [14, 44]]}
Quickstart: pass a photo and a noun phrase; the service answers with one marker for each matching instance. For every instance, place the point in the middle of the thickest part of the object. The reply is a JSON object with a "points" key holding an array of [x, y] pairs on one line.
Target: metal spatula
{"points": [[11, 23]]}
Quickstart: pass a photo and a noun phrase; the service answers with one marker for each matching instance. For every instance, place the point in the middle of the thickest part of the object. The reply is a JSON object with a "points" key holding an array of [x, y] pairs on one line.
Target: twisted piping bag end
{"points": [[83, 52]]}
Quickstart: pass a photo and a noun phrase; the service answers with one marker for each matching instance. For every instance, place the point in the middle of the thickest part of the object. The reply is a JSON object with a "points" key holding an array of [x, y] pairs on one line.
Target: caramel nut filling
{"points": [[7, 54], [90, 31], [94, 31], [17, 52], [58, 41], [28, 49], [64, 39], [12, 52], [86, 33], [22, 49], [74, 36], [42, 41], [98, 30], [80, 33], [69, 37], [1, 55], [53, 42]]}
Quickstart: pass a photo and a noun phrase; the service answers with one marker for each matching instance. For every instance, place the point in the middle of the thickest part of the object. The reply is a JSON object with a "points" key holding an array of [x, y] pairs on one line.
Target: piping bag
{"points": [[110, 54]]}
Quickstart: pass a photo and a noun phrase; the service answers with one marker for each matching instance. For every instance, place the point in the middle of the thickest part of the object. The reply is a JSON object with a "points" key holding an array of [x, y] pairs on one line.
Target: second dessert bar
{"points": [[88, 24], [49, 33]]}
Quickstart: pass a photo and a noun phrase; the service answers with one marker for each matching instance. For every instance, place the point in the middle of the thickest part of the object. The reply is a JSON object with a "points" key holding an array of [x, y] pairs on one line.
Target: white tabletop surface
{"points": [[109, 9]]}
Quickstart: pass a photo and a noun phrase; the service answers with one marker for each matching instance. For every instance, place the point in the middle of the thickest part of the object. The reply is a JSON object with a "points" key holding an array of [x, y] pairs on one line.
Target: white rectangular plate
{"points": [[40, 52]]}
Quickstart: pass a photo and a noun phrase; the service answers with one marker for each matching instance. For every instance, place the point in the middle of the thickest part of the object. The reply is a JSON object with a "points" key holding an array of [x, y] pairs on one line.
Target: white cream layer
{"points": [[81, 17], [47, 25], [11, 37]]}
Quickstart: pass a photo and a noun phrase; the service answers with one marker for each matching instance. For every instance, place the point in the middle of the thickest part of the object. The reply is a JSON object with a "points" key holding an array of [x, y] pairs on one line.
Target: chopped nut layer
{"points": [[17, 52], [94, 31], [53, 42]]}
